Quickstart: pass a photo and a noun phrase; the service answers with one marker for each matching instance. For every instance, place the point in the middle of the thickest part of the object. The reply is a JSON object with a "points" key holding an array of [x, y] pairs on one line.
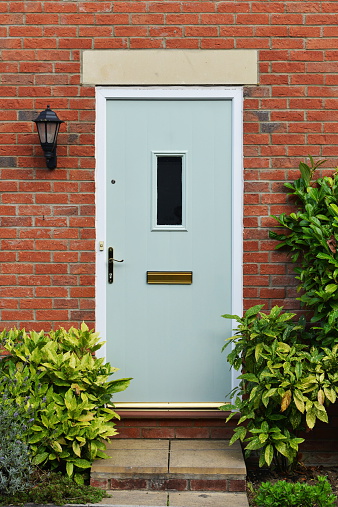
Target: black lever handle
{"points": [[111, 261]]}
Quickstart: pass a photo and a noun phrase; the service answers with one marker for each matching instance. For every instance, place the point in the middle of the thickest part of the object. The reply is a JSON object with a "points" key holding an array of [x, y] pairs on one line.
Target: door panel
{"points": [[169, 337]]}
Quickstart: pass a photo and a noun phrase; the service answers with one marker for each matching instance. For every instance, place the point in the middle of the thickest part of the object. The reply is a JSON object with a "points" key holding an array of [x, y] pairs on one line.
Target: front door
{"points": [[169, 218]]}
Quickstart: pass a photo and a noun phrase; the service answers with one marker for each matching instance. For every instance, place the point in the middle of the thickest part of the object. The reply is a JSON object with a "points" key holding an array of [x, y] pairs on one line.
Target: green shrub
{"points": [[284, 387], [68, 390], [290, 368], [312, 236], [53, 488], [281, 494], [15, 420]]}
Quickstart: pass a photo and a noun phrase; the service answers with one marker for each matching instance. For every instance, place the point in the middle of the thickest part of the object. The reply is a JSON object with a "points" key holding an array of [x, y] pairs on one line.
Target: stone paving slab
{"points": [[203, 457], [134, 456], [207, 499], [149, 498], [174, 499]]}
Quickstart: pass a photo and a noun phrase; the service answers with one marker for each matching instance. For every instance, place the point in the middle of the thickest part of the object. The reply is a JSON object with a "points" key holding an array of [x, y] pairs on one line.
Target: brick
{"points": [[52, 292], [236, 485], [168, 484], [256, 280], [40, 19], [319, 19], [229, 6], [287, 19], [250, 269], [128, 484], [182, 43], [217, 19], [182, 19], [75, 43], [253, 19], [252, 44], [17, 315], [82, 315], [165, 7], [111, 19], [95, 7], [201, 31], [199, 7], [137, 31], [131, 6], [158, 433], [66, 303], [208, 485], [36, 303], [84, 292], [8, 162], [221, 433], [271, 7], [99, 483], [128, 433], [9, 304], [51, 314], [192, 433]]}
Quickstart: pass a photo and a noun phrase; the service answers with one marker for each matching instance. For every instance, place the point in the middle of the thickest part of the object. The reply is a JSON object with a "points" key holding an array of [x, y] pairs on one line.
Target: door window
{"points": [[169, 189]]}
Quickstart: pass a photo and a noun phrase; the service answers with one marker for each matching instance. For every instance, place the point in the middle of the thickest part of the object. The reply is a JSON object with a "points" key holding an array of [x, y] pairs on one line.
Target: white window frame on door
{"points": [[103, 94]]}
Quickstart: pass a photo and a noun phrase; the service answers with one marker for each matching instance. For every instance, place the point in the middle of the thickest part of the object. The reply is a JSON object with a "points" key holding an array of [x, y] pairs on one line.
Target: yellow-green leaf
{"points": [[86, 417], [76, 448], [299, 401], [311, 418], [268, 454], [69, 468], [258, 349], [56, 446], [39, 458], [321, 397], [286, 400]]}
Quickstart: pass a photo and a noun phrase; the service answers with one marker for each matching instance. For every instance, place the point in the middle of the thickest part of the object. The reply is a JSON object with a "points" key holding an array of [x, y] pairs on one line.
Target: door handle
{"points": [[111, 261]]}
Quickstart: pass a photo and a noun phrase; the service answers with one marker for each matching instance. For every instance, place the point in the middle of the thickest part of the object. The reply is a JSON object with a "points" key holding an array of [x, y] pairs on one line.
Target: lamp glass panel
{"points": [[48, 132], [42, 132], [52, 129]]}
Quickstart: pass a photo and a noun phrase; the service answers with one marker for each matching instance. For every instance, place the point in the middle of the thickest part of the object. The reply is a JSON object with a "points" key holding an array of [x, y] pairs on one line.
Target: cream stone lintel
{"points": [[170, 67]]}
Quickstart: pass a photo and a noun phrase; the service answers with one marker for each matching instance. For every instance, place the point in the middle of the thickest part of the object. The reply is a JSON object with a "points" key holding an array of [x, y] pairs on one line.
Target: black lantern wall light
{"points": [[48, 125]]}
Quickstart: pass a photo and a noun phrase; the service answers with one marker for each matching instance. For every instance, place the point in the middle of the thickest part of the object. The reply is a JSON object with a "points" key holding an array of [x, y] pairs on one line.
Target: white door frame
{"points": [[235, 94]]}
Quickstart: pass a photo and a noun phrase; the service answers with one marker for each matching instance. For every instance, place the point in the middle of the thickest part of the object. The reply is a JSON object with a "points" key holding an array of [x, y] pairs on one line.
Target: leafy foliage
{"points": [[311, 235], [284, 387], [53, 488], [68, 389], [281, 493], [15, 420]]}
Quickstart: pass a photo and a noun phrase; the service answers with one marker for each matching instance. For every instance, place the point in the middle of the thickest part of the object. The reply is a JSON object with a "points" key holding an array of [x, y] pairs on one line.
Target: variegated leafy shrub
{"points": [[68, 390], [285, 386], [290, 369]]}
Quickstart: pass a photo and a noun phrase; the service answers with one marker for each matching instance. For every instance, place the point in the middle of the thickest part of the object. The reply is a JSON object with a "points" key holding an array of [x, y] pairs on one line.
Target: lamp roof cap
{"points": [[48, 115]]}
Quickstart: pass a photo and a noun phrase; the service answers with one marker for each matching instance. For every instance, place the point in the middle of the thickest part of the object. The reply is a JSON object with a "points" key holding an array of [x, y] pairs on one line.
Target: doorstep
{"points": [[172, 472]]}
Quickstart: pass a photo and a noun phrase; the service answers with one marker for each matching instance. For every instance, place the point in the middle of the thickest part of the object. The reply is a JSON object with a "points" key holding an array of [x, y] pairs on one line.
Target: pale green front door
{"points": [[169, 208]]}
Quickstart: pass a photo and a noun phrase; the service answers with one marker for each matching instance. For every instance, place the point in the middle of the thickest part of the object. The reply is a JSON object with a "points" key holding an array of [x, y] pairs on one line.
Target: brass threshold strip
{"points": [[168, 406]]}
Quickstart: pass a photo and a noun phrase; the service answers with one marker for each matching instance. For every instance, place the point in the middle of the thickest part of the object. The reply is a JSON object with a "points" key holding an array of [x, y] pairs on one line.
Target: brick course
{"points": [[47, 218]]}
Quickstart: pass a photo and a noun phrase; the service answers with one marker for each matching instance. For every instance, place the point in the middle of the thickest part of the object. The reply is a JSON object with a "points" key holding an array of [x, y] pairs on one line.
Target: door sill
{"points": [[169, 406], [172, 410]]}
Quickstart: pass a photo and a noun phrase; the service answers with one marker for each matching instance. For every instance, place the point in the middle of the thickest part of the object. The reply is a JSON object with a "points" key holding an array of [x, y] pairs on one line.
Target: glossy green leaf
{"points": [[268, 454]]}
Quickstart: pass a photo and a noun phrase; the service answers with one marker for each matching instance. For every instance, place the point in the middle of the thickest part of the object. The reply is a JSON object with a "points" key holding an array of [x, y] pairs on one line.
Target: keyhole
{"points": [[113, 182]]}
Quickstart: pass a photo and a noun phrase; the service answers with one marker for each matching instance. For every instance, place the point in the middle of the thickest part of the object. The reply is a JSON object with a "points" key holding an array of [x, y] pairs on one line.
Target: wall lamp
{"points": [[48, 125]]}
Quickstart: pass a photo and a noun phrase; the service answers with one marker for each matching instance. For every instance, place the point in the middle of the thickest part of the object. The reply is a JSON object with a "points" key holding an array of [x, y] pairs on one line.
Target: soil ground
{"points": [[301, 474]]}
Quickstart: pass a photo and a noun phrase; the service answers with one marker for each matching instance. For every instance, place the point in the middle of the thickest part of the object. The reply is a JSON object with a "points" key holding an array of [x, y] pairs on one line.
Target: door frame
{"points": [[103, 94]]}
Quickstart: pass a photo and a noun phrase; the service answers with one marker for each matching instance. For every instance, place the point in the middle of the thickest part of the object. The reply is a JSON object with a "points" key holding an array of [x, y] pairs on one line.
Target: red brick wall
{"points": [[47, 218], [175, 425]]}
